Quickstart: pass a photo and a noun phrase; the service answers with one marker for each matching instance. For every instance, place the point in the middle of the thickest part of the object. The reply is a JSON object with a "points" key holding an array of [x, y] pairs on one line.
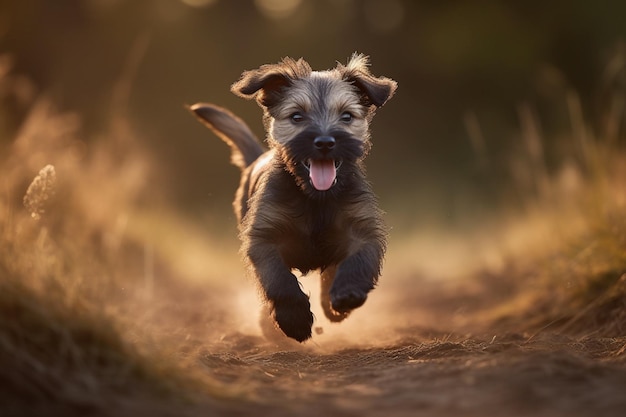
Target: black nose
{"points": [[324, 143]]}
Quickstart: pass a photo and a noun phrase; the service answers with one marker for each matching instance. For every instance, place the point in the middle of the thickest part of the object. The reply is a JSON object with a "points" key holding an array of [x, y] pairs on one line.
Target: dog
{"points": [[305, 203]]}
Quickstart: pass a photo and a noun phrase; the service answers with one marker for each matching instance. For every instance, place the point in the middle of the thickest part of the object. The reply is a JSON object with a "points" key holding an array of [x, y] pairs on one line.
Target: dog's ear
{"points": [[267, 83], [375, 91]]}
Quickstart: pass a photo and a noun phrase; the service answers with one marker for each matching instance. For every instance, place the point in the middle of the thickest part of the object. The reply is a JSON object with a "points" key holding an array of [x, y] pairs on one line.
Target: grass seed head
{"points": [[41, 192]]}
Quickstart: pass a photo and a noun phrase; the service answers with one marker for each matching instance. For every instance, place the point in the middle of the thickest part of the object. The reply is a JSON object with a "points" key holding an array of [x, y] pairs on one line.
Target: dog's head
{"points": [[317, 120]]}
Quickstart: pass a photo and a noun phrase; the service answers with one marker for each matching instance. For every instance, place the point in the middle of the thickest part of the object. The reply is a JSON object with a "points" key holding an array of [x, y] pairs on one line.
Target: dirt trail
{"points": [[550, 376], [458, 365]]}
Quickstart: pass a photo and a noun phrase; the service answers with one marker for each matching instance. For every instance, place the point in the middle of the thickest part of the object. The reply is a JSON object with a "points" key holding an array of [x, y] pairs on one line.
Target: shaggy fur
{"points": [[305, 204]]}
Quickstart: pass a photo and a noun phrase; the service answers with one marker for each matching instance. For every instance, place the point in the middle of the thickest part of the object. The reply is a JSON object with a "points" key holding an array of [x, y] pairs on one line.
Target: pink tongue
{"points": [[322, 173]]}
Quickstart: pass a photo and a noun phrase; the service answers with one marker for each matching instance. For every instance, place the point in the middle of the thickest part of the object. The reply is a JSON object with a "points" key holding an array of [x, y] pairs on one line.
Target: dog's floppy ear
{"points": [[375, 90], [267, 83]]}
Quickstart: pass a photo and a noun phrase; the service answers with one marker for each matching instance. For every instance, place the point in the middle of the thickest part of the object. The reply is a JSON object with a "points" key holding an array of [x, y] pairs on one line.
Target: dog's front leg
{"points": [[356, 276], [290, 306]]}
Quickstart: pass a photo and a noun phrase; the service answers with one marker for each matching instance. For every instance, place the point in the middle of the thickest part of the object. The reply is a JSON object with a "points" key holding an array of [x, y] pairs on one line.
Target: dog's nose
{"points": [[324, 143]]}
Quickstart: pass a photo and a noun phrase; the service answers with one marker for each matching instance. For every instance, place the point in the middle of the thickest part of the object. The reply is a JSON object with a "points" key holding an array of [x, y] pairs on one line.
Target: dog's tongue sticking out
{"points": [[322, 173]]}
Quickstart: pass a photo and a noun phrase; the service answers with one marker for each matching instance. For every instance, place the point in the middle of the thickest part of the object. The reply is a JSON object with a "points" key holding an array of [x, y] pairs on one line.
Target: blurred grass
{"points": [[107, 295], [562, 256], [80, 330]]}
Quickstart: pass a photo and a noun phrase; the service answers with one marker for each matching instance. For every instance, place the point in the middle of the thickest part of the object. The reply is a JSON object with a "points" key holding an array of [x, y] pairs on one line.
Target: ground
{"points": [[114, 303], [433, 367]]}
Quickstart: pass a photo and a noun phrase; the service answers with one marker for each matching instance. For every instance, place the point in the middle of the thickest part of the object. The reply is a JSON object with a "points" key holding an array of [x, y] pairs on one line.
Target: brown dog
{"points": [[305, 204]]}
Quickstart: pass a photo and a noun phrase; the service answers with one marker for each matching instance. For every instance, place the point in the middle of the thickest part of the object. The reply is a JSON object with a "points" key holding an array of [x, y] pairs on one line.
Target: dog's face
{"points": [[317, 120]]}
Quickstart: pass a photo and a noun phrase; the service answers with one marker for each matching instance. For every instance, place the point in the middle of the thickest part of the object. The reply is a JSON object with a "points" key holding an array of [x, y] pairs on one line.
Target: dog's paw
{"points": [[345, 300], [332, 315], [294, 317]]}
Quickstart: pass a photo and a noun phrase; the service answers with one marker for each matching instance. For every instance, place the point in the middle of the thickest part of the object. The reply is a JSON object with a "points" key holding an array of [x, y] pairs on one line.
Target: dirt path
{"points": [[446, 369], [511, 376]]}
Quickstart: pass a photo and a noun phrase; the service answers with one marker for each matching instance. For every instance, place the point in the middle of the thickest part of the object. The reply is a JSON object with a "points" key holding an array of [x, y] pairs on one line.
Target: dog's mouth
{"points": [[322, 172]]}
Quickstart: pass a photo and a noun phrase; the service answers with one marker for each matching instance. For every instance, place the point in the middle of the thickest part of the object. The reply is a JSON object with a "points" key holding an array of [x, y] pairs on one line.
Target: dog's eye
{"points": [[346, 117], [297, 117]]}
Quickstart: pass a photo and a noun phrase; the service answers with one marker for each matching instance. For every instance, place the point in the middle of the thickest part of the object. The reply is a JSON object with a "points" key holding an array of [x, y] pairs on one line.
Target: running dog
{"points": [[305, 203]]}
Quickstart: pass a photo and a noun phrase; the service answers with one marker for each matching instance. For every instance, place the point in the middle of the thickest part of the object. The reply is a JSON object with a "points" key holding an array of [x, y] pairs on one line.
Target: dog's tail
{"points": [[244, 145]]}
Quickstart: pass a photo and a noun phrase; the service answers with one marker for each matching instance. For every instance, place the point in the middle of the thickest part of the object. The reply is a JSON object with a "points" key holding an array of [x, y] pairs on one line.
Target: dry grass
{"points": [[565, 257], [77, 275], [110, 306]]}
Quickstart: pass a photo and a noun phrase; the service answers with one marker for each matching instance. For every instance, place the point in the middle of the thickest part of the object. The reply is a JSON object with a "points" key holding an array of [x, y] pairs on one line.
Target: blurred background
{"points": [[472, 76], [500, 163]]}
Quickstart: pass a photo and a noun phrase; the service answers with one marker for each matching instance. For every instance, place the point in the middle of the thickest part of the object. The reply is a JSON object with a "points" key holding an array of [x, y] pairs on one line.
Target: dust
{"points": [[115, 303], [419, 346], [476, 338]]}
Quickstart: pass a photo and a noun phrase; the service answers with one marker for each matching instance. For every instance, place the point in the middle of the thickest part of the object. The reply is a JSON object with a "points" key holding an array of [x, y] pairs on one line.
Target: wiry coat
{"points": [[306, 204]]}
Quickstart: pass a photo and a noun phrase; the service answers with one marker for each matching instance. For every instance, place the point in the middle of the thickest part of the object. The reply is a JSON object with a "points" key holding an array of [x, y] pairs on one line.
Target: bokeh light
{"points": [[277, 9]]}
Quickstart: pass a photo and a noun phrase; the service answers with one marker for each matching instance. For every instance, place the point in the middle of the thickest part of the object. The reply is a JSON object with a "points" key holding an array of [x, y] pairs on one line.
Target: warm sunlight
{"points": [[130, 284]]}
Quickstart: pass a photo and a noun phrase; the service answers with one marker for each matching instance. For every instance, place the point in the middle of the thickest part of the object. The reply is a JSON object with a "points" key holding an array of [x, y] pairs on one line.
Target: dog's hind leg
{"points": [[326, 278]]}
